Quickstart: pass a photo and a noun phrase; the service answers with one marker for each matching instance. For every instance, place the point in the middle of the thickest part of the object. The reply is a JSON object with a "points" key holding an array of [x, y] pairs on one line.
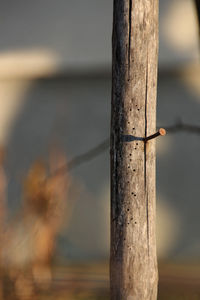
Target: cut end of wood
{"points": [[162, 131]]}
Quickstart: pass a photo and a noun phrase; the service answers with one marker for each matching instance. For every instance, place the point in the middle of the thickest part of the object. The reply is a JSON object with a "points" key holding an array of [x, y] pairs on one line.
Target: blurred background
{"points": [[55, 88]]}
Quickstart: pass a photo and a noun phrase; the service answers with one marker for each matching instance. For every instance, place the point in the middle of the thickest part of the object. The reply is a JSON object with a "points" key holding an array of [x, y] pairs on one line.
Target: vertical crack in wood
{"points": [[129, 35], [145, 155]]}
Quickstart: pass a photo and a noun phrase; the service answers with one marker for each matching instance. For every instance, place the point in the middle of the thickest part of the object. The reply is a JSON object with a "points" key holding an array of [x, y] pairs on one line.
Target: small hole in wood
{"points": [[133, 170]]}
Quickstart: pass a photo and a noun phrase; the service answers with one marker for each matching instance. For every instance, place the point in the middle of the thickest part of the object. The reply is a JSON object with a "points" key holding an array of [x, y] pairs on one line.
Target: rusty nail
{"points": [[161, 132]]}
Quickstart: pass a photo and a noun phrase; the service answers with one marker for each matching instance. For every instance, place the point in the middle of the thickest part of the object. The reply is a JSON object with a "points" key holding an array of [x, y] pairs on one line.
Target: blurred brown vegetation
{"points": [[28, 241]]}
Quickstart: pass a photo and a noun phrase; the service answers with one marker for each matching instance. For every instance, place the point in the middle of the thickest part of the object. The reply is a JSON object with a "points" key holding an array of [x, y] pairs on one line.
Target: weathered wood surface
{"points": [[197, 3], [133, 263]]}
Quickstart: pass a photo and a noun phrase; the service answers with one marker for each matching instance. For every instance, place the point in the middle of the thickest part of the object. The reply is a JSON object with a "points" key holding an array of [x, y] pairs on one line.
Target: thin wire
{"points": [[82, 158], [104, 145]]}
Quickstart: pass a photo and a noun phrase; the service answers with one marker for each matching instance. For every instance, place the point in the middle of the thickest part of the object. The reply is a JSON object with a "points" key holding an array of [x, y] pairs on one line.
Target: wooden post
{"points": [[133, 262], [197, 3]]}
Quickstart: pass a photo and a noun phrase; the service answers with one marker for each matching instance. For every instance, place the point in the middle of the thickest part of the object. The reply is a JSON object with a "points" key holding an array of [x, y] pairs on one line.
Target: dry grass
{"points": [[91, 282], [27, 242]]}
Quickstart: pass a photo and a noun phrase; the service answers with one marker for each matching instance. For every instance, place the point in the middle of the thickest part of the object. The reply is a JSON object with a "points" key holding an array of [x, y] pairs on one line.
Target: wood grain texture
{"points": [[197, 3], [133, 262]]}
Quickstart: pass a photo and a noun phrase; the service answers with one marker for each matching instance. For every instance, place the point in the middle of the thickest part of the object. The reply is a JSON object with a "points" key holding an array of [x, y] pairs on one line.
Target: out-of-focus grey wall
{"points": [[55, 61], [48, 37]]}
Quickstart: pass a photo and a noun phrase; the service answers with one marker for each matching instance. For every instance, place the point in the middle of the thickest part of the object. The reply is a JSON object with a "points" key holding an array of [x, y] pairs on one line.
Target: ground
{"points": [[177, 281]]}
